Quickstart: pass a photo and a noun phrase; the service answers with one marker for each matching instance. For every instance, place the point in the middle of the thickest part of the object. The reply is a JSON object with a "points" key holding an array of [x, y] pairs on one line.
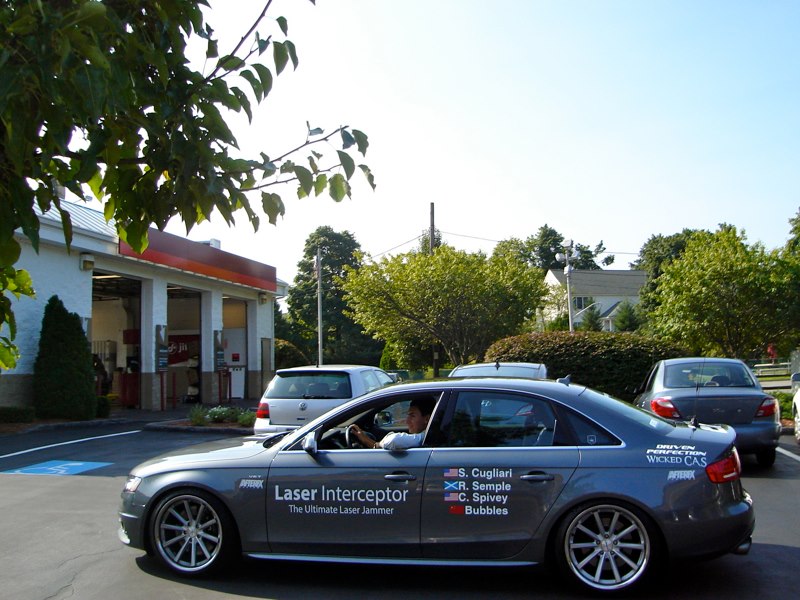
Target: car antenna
{"points": [[565, 380], [497, 365]]}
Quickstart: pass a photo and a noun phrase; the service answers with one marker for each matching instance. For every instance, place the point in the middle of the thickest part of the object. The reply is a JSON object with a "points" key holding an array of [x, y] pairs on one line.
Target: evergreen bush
{"points": [[614, 363], [63, 372], [17, 414]]}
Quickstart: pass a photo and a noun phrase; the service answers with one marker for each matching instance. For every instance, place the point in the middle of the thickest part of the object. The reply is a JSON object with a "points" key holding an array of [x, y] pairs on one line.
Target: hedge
{"points": [[614, 363]]}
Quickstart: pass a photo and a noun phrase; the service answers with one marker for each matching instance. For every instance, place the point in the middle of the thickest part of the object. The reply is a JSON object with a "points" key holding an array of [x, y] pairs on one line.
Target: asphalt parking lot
{"points": [[59, 492]]}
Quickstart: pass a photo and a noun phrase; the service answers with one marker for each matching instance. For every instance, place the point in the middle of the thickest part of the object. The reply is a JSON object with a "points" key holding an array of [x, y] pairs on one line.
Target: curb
{"points": [[171, 426]]}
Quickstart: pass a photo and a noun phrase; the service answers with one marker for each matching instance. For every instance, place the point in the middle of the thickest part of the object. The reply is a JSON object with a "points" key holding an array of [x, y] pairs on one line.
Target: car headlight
{"points": [[132, 484]]}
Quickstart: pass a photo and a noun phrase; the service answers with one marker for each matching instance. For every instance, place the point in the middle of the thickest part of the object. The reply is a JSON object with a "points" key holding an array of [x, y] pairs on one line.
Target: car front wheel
{"points": [[605, 547], [192, 533]]}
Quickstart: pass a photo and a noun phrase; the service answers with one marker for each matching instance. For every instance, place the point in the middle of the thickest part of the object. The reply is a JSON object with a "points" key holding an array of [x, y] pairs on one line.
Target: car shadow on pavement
{"points": [[727, 576]]}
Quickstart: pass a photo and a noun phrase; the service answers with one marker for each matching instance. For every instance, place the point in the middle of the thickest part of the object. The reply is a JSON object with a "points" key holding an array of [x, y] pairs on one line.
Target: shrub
{"points": [[197, 415], [614, 363], [17, 414], [247, 418], [63, 372], [785, 401], [223, 414], [103, 407]]}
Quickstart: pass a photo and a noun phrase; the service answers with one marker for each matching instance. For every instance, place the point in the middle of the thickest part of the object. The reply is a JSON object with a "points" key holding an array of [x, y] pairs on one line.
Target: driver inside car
{"points": [[419, 413]]}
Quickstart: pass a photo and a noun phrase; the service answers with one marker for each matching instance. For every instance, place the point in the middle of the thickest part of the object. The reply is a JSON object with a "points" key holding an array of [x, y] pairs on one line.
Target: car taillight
{"points": [[263, 410], [664, 408], [726, 469], [768, 407]]}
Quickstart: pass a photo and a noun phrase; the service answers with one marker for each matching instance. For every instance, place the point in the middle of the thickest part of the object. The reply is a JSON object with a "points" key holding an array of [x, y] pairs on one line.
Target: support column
{"points": [[210, 344], [260, 355], [153, 334]]}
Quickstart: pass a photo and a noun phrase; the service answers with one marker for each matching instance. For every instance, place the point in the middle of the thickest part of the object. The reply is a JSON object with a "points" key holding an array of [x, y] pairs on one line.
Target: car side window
{"points": [[498, 419], [383, 378], [370, 380], [589, 433]]}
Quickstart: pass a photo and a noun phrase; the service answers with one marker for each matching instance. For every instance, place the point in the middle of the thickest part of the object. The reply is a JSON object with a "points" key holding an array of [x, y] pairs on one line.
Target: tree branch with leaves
{"points": [[102, 96]]}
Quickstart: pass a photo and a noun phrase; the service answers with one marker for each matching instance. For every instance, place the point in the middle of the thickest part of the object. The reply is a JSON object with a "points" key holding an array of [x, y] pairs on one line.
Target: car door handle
{"points": [[538, 477], [400, 477]]}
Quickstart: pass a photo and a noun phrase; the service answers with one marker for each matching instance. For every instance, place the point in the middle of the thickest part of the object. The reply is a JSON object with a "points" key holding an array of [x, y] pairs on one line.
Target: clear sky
{"points": [[607, 120]]}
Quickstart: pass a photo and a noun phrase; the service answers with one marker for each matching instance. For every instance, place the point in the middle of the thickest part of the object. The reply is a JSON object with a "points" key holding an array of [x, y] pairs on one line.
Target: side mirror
{"points": [[384, 417], [310, 443]]}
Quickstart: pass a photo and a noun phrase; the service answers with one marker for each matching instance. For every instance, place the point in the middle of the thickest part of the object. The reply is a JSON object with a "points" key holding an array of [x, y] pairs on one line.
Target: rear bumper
{"points": [[264, 426], [753, 437]]}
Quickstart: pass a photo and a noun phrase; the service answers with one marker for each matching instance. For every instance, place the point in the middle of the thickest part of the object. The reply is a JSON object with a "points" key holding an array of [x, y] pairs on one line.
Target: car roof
{"points": [[703, 359], [321, 368], [502, 364]]}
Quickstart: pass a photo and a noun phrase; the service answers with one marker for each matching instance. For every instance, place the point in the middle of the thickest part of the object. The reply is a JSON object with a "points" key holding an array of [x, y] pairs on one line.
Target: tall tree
{"points": [[724, 297], [627, 317], [540, 251], [343, 339], [460, 300], [656, 253], [590, 318], [102, 96]]}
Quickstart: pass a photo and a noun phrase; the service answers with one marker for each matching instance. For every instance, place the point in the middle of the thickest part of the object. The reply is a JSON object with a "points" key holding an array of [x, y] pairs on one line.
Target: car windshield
{"points": [[310, 385], [705, 373]]}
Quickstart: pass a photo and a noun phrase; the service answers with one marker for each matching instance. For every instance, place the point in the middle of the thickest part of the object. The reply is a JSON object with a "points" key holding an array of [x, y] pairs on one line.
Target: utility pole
{"points": [[319, 306]]}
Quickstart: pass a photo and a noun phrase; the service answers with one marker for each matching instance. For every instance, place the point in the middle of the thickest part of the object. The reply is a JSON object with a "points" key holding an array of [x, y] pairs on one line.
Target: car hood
{"points": [[206, 454]]}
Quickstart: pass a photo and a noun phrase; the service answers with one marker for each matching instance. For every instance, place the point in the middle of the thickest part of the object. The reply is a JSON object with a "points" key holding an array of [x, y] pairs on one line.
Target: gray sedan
{"points": [[509, 472], [715, 390]]}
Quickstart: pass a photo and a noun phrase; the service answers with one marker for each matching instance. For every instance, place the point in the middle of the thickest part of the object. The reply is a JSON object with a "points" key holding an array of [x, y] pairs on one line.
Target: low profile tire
{"points": [[766, 458], [192, 533], [605, 547]]}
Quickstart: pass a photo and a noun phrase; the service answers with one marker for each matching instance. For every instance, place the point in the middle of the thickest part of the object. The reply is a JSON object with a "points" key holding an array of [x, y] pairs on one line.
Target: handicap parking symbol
{"points": [[58, 467]]}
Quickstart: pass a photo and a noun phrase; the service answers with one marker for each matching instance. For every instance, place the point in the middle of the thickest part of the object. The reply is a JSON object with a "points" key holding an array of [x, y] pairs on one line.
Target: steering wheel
{"points": [[352, 441]]}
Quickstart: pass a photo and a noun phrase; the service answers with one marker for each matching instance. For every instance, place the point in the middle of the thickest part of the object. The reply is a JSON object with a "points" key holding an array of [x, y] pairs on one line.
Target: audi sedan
{"points": [[715, 390], [506, 472]]}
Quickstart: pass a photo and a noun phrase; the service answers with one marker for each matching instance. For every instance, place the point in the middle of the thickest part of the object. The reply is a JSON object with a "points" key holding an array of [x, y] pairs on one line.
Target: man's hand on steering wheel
{"points": [[355, 436]]}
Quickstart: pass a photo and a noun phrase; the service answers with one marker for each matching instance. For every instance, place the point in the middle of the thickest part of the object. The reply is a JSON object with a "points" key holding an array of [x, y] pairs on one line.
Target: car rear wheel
{"points": [[766, 458], [192, 533], [605, 547]]}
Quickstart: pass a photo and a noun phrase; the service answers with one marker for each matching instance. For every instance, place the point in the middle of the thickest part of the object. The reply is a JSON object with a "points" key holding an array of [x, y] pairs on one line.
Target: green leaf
{"points": [[10, 251], [258, 90], [284, 25], [96, 184], [347, 139], [272, 205], [265, 75], [263, 44], [368, 174], [339, 188], [213, 49], [281, 56], [347, 162], [320, 184], [292, 53], [306, 180], [361, 141], [230, 63]]}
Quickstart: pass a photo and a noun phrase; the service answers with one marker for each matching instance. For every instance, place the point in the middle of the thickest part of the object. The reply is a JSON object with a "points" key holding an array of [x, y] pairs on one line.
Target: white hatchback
{"points": [[298, 395]]}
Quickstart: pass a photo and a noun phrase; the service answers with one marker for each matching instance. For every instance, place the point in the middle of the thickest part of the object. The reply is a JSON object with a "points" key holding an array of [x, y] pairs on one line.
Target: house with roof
{"points": [[183, 320], [605, 289]]}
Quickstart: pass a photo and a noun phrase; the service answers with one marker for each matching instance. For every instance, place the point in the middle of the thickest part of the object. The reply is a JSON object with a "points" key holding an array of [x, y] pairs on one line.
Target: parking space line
{"points": [[89, 439], [789, 454]]}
